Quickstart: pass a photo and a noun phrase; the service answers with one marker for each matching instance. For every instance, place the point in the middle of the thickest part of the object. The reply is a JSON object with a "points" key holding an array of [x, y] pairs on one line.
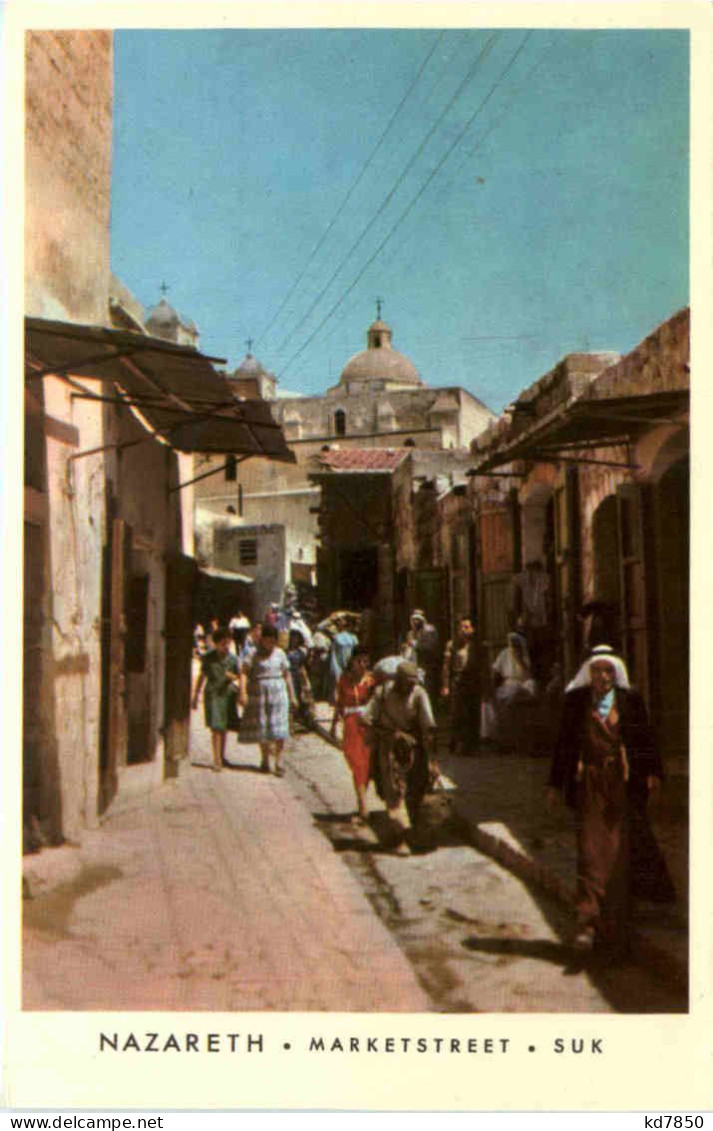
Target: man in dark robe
{"points": [[606, 765]]}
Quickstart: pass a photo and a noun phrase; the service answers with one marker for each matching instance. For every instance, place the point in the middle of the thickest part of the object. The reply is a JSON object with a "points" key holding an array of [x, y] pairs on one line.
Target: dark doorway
{"points": [[358, 580]]}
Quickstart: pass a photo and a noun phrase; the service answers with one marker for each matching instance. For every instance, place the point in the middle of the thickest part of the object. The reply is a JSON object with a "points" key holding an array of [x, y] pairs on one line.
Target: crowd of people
{"points": [[264, 680]]}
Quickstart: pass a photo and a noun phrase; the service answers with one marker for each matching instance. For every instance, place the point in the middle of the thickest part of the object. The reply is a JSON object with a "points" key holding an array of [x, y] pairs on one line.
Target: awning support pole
{"points": [[206, 474], [62, 370], [556, 457]]}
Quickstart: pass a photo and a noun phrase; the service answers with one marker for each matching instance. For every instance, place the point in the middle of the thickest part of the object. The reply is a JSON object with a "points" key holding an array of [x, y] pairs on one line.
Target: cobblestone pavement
{"points": [[213, 892]]}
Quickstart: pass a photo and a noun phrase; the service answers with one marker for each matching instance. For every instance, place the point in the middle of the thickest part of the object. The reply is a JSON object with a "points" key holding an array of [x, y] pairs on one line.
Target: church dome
{"points": [[250, 367], [164, 321], [252, 379], [379, 364], [163, 314]]}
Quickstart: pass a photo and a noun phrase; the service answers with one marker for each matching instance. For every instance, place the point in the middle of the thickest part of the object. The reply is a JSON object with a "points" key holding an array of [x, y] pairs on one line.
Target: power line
{"points": [[387, 199], [517, 90], [490, 129], [499, 117], [318, 246], [413, 202]]}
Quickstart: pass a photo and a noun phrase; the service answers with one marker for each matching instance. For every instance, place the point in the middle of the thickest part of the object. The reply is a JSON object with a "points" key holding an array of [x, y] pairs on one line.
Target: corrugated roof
{"points": [[175, 388], [364, 459]]}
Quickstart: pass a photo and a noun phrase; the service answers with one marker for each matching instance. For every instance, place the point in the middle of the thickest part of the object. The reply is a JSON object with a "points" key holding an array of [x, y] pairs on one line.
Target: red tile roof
{"points": [[364, 459]]}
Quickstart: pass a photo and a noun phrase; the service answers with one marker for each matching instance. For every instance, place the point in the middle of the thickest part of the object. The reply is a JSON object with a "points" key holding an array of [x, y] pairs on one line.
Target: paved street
{"points": [[237, 891], [214, 893]]}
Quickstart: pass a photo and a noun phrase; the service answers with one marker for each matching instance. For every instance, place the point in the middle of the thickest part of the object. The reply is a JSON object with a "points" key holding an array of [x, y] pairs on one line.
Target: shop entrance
{"points": [[358, 579]]}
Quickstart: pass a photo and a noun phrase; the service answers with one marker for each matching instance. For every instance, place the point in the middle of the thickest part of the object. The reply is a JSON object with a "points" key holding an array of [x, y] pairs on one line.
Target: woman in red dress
{"points": [[354, 689]]}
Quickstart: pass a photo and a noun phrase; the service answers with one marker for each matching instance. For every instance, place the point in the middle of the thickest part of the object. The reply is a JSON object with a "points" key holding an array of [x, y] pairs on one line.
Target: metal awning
{"points": [[588, 422], [226, 575], [176, 390]]}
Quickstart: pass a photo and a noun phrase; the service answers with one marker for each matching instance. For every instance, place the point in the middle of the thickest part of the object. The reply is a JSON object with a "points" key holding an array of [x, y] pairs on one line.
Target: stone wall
{"points": [[658, 364], [68, 167], [364, 414]]}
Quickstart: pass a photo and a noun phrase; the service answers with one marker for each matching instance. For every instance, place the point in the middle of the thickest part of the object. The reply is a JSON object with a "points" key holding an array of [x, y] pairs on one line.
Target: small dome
{"points": [[163, 314], [251, 367]]}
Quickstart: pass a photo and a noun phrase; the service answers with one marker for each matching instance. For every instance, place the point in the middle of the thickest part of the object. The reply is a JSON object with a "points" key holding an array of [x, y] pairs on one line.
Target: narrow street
{"points": [[237, 891], [479, 938]]}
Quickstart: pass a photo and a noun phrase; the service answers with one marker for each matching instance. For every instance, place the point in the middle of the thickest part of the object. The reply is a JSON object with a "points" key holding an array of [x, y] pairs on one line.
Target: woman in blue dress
{"points": [[266, 693], [343, 644]]}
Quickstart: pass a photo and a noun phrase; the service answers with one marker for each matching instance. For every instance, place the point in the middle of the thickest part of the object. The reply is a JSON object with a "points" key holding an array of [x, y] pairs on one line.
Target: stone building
{"points": [[366, 538], [380, 401], [590, 477], [113, 418], [384, 549]]}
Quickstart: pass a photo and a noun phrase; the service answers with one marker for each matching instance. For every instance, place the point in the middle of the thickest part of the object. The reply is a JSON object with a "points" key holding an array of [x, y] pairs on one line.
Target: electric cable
{"points": [[390, 195], [413, 202], [318, 246]]}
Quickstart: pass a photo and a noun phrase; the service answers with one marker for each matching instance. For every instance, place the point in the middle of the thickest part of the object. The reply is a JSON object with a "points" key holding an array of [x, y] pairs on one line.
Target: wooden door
{"points": [[116, 580], [568, 581], [495, 559], [431, 595], [178, 633], [637, 613]]}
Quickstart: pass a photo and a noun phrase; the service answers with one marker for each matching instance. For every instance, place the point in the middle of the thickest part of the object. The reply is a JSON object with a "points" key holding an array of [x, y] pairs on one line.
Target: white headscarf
{"points": [[583, 677]]}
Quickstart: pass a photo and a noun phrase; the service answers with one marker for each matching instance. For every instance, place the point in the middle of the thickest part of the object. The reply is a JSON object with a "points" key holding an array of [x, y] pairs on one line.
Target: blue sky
{"points": [[514, 195]]}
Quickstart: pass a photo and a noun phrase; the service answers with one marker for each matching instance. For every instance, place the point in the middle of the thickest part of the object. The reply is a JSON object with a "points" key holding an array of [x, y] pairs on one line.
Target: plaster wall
{"points": [[474, 419], [138, 481], [225, 536]]}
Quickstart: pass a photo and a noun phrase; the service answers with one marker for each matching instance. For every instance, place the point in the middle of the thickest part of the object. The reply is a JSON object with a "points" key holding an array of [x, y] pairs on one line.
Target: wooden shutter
{"points": [[496, 554], [568, 569], [178, 633], [635, 529], [116, 741]]}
